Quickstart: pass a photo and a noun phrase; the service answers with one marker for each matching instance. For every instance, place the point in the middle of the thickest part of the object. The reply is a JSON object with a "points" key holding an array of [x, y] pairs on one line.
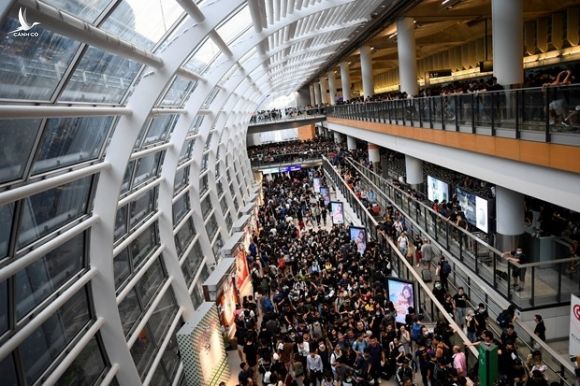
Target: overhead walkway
{"points": [[310, 117], [559, 369]]}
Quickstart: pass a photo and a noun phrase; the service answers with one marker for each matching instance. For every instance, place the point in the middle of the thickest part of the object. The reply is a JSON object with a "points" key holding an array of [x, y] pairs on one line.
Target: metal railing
{"points": [[280, 159], [317, 112], [530, 113], [547, 283], [558, 368]]}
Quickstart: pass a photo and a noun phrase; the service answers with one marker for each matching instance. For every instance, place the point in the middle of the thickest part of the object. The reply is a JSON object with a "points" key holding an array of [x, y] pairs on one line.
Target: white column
{"points": [[312, 100], [331, 88], [366, 71], [337, 137], [414, 170], [507, 30], [407, 56], [374, 153], [350, 142], [345, 81], [316, 87], [323, 90], [509, 211]]}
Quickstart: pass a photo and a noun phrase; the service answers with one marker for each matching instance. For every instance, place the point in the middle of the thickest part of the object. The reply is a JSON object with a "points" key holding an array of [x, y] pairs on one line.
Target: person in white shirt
{"points": [[315, 368], [337, 353]]}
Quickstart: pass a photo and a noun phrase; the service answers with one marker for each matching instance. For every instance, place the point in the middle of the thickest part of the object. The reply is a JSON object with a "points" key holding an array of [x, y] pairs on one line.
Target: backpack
{"points": [[446, 268], [416, 331], [503, 319]]}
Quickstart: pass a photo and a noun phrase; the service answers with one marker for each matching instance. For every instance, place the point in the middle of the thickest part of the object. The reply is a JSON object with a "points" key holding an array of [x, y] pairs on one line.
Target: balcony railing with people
{"points": [[549, 114], [274, 116], [558, 369], [546, 283]]}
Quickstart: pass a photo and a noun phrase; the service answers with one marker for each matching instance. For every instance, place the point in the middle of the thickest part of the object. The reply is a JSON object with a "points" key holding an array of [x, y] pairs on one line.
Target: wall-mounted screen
{"points": [[359, 236], [474, 207], [337, 212], [437, 189], [481, 213], [316, 184], [325, 193], [402, 294]]}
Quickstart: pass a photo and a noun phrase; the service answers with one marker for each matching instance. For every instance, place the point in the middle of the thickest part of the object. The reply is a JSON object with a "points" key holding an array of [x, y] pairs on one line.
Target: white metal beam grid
{"points": [[171, 89]]}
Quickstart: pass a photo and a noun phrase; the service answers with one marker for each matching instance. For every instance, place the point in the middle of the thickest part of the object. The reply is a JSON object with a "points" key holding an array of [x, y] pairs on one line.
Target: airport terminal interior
{"points": [[290, 192]]}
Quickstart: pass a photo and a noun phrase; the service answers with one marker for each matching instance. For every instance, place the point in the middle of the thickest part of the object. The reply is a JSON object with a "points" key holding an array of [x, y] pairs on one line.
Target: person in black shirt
{"points": [[540, 329], [460, 304], [519, 257], [481, 316]]}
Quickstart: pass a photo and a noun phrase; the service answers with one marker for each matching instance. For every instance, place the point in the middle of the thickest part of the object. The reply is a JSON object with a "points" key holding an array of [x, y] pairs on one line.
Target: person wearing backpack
{"points": [[443, 271], [506, 317]]}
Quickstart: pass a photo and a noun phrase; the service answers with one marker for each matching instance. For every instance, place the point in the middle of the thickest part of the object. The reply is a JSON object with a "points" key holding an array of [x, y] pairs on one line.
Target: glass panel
{"points": [[163, 315], [127, 177], [46, 275], [196, 296], [186, 150], [87, 10], [180, 208], [181, 179], [100, 77], [143, 245], [184, 236], [142, 207], [179, 90], [206, 206], [211, 227], [69, 141], [3, 309], [235, 25], [120, 223], [31, 65], [159, 129], [203, 57], [8, 371], [147, 169], [47, 342], [150, 283], [143, 351], [17, 136], [194, 129], [194, 258], [170, 358], [50, 210], [130, 311], [121, 268], [6, 213], [224, 204], [203, 184], [86, 368], [219, 188], [204, 161], [210, 98], [159, 377], [142, 23]]}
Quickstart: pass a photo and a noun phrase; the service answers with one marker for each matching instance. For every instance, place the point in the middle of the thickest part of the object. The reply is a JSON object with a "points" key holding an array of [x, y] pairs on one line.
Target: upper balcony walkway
{"points": [[306, 117]]}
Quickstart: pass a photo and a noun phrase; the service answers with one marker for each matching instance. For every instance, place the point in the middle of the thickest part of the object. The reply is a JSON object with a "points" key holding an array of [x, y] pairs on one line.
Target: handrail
{"points": [[467, 233], [521, 325]]}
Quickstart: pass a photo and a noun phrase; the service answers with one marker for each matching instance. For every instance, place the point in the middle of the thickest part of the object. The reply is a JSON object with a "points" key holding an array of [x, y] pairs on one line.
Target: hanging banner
{"points": [[574, 326]]}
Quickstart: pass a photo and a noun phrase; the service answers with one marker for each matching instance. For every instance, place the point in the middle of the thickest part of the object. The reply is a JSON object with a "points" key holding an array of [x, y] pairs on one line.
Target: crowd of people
{"points": [[304, 148]]}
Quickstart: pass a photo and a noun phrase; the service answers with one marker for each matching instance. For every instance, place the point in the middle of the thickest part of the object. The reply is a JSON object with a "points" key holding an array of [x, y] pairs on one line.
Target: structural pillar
{"points": [[374, 155], [331, 88], [414, 171], [508, 41], [407, 56], [312, 100], [350, 143], [366, 71], [323, 90], [345, 81], [316, 87], [337, 137], [509, 216]]}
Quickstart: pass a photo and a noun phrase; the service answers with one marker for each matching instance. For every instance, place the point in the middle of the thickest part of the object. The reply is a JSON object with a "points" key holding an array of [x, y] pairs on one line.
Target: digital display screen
{"points": [[359, 236], [337, 212], [402, 294], [437, 189], [316, 184], [481, 213], [474, 207], [325, 193]]}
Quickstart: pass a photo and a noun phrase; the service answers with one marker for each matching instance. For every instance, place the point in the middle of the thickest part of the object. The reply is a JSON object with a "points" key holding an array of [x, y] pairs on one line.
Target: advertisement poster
{"points": [[481, 213], [359, 236], [467, 204], [325, 193], [574, 326], [402, 294], [242, 271], [226, 302], [337, 212], [316, 184], [437, 189]]}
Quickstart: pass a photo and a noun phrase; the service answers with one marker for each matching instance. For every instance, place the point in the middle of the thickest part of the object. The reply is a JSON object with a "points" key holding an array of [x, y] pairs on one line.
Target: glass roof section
{"points": [[87, 10], [142, 23], [237, 24], [203, 57]]}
